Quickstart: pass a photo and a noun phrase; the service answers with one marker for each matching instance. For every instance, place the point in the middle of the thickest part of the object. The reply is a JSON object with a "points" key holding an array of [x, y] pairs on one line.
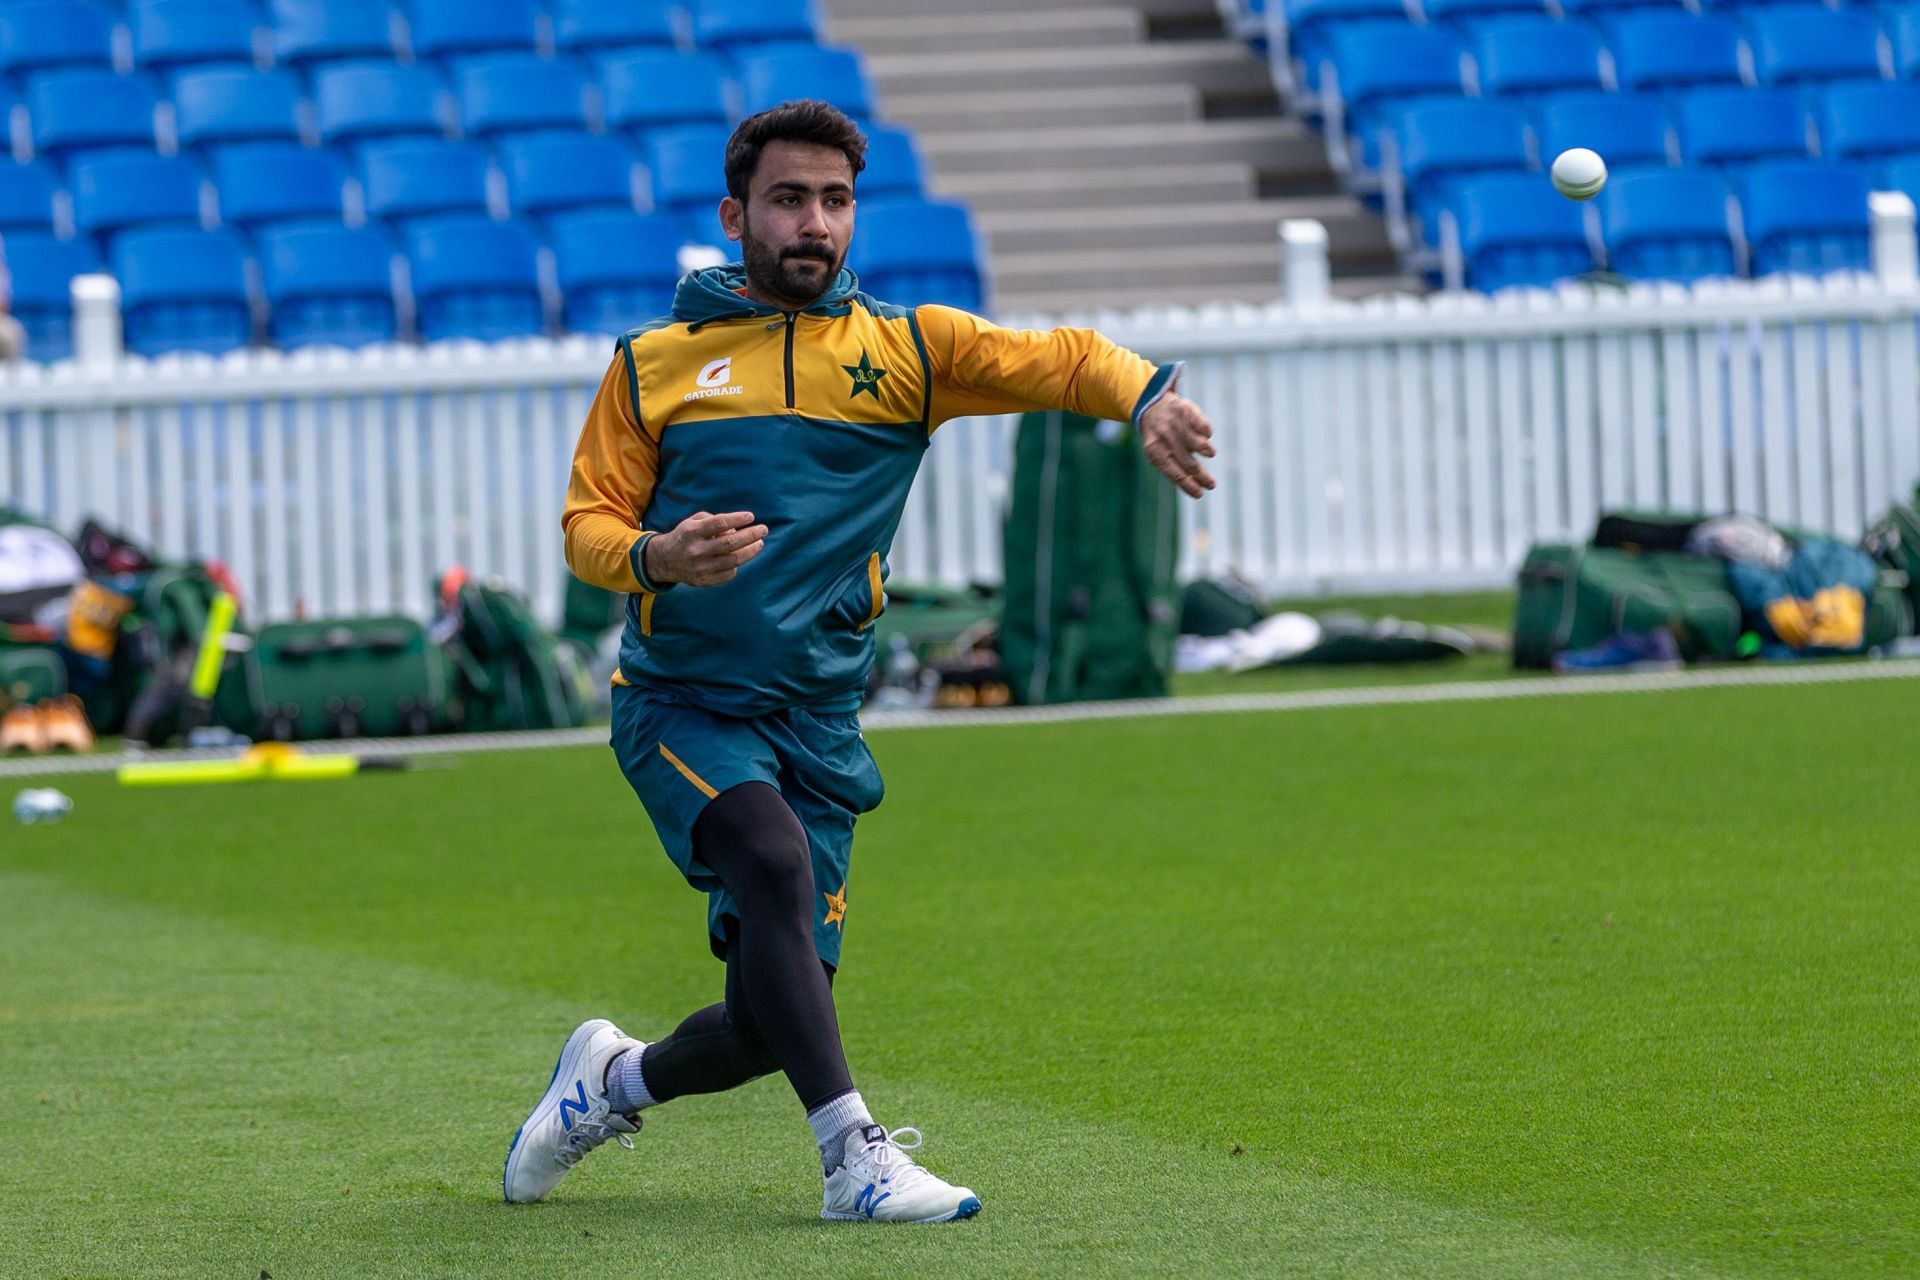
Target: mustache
{"points": [[810, 251]]}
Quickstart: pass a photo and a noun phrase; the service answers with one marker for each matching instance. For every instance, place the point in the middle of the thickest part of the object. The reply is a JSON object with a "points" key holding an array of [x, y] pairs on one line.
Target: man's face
{"points": [[796, 222]]}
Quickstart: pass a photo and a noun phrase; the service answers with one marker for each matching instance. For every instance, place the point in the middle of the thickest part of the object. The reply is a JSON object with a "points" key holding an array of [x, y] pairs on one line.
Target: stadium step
{"points": [[1028, 28], [1146, 227], [1175, 266], [1099, 105], [1101, 162], [1271, 145], [1081, 189], [1216, 67]]}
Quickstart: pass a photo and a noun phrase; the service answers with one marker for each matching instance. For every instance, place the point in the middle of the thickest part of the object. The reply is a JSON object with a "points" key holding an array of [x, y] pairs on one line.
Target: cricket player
{"points": [[740, 476]]}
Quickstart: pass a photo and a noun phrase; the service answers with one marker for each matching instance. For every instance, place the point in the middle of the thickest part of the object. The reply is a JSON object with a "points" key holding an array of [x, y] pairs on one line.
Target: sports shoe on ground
{"points": [[573, 1116], [877, 1181], [23, 729], [64, 721]]}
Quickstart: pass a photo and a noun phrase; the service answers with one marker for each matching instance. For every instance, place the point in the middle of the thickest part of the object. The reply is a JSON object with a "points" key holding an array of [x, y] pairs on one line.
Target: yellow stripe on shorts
{"points": [[687, 773]]}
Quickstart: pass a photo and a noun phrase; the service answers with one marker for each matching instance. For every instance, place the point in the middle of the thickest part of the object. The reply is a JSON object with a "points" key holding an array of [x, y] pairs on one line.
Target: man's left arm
{"points": [[979, 367]]}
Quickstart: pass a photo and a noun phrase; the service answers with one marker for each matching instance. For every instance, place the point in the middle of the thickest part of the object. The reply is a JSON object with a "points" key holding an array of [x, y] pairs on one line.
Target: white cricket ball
{"points": [[1578, 174]]}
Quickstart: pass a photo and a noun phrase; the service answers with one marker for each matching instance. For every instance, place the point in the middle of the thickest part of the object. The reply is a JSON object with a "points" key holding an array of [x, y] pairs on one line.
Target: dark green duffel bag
{"points": [[1091, 544], [378, 677], [1572, 597], [512, 673]]}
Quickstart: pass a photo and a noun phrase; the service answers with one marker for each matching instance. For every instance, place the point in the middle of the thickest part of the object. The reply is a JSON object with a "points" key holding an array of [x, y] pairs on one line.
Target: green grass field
{"points": [[1588, 987]]}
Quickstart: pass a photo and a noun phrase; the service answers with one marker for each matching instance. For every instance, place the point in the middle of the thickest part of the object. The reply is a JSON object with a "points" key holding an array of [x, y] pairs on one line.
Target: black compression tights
{"points": [[778, 1013]]}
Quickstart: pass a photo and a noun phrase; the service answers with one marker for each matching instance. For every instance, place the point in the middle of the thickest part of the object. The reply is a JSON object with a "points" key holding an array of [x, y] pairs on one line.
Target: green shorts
{"points": [[678, 757]]}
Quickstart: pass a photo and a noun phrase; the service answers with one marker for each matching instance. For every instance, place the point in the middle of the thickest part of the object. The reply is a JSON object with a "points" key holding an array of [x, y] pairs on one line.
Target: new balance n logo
{"points": [[576, 1105], [867, 1202]]}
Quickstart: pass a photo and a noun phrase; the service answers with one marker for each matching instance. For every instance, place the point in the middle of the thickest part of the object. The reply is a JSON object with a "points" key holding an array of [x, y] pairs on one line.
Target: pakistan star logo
{"points": [[865, 377]]}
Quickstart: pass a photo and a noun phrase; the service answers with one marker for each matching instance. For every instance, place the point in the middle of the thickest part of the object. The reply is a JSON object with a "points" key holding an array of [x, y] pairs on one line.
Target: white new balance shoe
{"points": [[573, 1117], [877, 1181]]}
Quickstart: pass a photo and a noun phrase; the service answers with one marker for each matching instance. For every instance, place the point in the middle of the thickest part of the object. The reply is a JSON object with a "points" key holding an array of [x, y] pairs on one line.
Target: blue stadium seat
{"points": [[1806, 216], [1728, 129], [654, 90], [26, 197], [415, 179], [774, 76], [1468, 15], [1902, 22], [917, 251], [130, 189], [688, 181], [1527, 57], [39, 34], [87, 110], [1795, 48], [1667, 226], [265, 182], [893, 164], [170, 34], [473, 278], [1608, 10], [1904, 175], [1867, 125], [314, 31], [1657, 52], [1442, 144], [40, 270], [458, 28], [615, 269], [358, 101], [594, 27], [554, 172], [1519, 231], [182, 291], [235, 104], [519, 93], [1311, 25], [328, 286], [1629, 131], [729, 24], [1380, 68]]}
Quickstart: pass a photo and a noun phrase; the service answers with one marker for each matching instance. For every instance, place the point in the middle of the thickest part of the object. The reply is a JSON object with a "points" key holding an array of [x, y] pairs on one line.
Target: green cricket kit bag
{"points": [[511, 672], [379, 677], [1092, 546], [1572, 597]]}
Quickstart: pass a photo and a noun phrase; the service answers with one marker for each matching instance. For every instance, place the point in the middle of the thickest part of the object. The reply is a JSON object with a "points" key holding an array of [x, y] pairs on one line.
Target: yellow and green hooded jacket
{"points": [[815, 421]]}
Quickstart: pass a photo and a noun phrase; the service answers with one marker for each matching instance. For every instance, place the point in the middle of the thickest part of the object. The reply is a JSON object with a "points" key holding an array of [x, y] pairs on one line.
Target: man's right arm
{"points": [[615, 466]]}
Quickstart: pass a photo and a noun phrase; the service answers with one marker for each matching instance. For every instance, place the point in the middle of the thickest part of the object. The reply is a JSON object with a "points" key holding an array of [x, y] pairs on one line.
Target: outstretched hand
{"points": [[1176, 435], [704, 550]]}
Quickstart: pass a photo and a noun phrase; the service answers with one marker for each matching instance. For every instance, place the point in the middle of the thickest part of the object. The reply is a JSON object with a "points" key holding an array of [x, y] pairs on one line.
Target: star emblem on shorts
{"points": [[837, 907], [865, 377]]}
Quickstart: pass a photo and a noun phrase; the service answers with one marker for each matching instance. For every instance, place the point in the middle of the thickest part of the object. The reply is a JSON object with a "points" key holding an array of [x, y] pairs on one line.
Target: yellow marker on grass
{"points": [[268, 762]]}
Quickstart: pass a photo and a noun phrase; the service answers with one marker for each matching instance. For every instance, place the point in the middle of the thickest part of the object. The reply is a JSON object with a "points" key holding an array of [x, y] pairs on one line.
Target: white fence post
{"points": [[1896, 257], [96, 320], [1304, 265]]}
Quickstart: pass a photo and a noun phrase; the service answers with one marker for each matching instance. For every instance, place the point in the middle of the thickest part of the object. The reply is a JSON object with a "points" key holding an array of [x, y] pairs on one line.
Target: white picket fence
{"points": [[1388, 445]]}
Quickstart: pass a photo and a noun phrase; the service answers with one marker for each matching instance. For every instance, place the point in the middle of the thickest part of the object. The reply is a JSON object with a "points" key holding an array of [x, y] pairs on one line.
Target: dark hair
{"points": [[808, 120]]}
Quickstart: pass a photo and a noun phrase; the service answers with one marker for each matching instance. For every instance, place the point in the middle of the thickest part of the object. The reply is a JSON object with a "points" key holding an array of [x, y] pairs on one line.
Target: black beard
{"points": [[777, 273]]}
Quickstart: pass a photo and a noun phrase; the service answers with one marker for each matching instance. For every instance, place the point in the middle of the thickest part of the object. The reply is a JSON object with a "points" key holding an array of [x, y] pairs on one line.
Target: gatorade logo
{"points": [[713, 381]]}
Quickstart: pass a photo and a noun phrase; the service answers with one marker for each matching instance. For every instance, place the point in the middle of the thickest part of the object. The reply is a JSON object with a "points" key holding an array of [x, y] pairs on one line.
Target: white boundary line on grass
{"points": [[1313, 699]]}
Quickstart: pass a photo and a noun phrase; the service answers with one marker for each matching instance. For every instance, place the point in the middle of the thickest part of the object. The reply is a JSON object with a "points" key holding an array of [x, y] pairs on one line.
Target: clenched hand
{"points": [[704, 550], [1176, 435]]}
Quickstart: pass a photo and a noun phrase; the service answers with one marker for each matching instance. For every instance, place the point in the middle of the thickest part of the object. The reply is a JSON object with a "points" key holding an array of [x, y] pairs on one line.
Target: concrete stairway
{"points": [[1115, 153]]}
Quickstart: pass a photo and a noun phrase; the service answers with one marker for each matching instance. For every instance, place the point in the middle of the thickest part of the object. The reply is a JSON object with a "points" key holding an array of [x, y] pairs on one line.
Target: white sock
{"points": [[830, 1120]]}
